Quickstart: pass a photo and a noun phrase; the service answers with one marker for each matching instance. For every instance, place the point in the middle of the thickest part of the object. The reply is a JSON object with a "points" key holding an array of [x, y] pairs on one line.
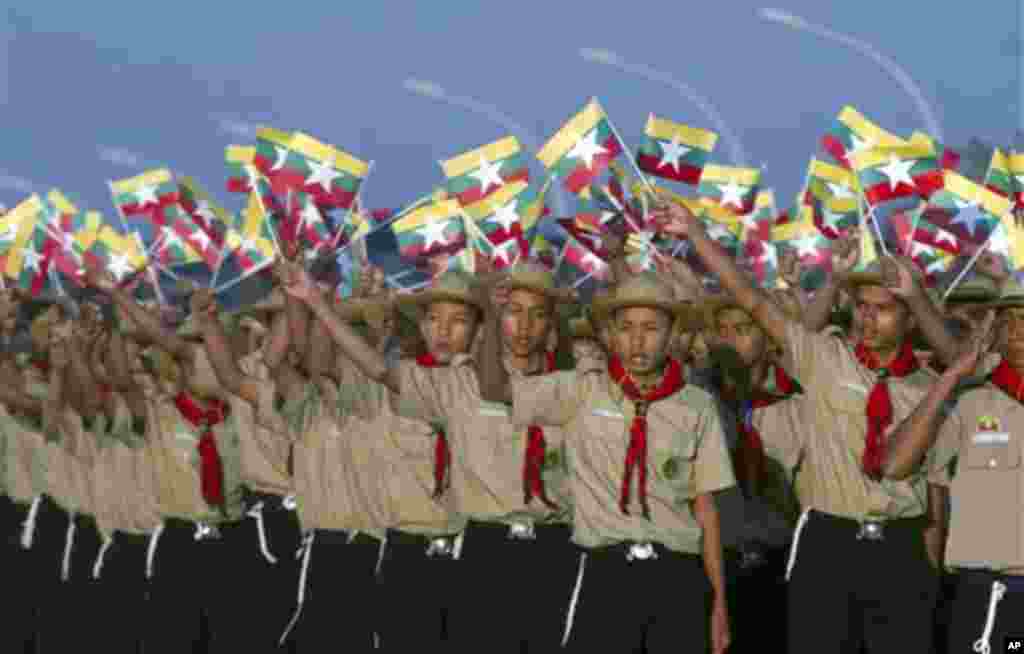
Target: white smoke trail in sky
{"points": [[435, 91], [737, 153], [897, 72]]}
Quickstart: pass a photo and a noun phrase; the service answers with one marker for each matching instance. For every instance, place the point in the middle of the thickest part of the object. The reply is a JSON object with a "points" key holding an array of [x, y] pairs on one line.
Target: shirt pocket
{"points": [[991, 451], [673, 466]]}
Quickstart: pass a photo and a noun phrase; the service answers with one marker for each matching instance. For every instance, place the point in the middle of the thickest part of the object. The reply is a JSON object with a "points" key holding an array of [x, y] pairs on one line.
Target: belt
{"points": [[268, 501], [344, 537], [870, 529], [201, 531], [634, 551], [440, 546], [518, 531]]}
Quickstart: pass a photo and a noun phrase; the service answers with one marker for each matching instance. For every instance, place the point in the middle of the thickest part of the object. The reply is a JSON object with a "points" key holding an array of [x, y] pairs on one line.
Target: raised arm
{"points": [[678, 221], [491, 371], [371, 362], [917, 433], [204, 312], [900, 279]]}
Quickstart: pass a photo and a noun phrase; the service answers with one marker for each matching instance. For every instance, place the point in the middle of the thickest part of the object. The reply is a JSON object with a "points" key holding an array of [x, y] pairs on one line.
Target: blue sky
{"points": [[102, 90]]}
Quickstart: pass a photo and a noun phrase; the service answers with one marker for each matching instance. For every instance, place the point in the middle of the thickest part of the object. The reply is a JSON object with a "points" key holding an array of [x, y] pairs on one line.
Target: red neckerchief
{"points": [[879, 409], [536, 450], [751, 460], [442, 453], [636, 455], [211, 468], [1006, 378]]}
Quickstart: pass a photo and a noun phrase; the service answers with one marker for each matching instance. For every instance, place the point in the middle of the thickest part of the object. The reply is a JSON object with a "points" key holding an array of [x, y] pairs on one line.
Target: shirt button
{"points": [[992, 463]]}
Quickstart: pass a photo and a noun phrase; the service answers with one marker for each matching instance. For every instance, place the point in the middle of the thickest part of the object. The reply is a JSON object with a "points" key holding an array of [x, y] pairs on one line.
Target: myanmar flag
{"points": [[120, 254], [543, 251], [931, 248], [949, 158], [674, 151], [999, 178], [430, 230], [833, 194], [205, 213], [576, 262], [243, 175], [27, 245], [497, 218], [731, 188], [299, 162], [724, 228], [148, 203], [474, 175], [1007, 242], [966, 209], [812, 248], [852, 133], [581, 150], [757, 225], [306, 222], [894, 178], [252, 241]]}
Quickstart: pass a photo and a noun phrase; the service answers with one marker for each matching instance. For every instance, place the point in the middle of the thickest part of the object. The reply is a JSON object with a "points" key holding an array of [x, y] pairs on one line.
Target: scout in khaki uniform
{"points": [[884, 592], [986, 537], [260, 549], [194, 449], [495, 473], [646, 453]]}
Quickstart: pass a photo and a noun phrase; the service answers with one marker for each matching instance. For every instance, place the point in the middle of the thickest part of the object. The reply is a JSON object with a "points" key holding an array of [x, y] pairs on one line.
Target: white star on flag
{"points": [[282, 156], [200, 239], [119, 266], [671, 152], [323, 174], [433, 232], [310, 215], [732, 193], [591, 262], [30, 259], [718, 232], [840, 191], [504, 252], [487, 174], [942, 236], [205, 211], [750, 220], [968, 214], [806, 246], [146, 195], [9, 233], [253, 175], [831, 219], [170, 238], [248, 243], [587, 148], [918, 248], [898, 170], [506, 216]]}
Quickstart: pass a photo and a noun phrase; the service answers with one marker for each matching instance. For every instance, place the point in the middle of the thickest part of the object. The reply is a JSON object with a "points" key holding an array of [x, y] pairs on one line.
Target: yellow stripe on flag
{"points": [[149, 178], [724, 174], [1015, 236], [834, 174], [499, 198], [990, 201], [25, 216], [60, 201], [566, 137], [693, 204], [864, 128], [460, 165], [200, 194], [880, 156], [665, 130], [800, 225], [240, 154], [1015, 163], [765, 199], [276, 136], [719, 214], [308, 146], [425, 215], [1000, 163]]}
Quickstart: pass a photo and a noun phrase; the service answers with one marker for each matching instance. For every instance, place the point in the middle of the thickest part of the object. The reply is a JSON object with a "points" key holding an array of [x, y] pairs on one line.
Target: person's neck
{"points": [[885, 356], [759, 374], [530, 364], [650, 379]]}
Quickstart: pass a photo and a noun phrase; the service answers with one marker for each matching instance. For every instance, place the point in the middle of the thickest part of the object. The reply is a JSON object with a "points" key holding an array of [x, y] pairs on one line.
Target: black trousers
{"points": [[125, 594], [17, 634], [513, 594], [757, 602], [263, 591], [845, 591], [655, 605], [56, 617], [341, 606], [88, 615], [971, 611], [417, 590], [188, 586]]}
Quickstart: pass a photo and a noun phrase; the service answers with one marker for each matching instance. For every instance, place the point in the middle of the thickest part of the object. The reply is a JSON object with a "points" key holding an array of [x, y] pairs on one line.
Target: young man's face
{"points": [[736, 329], [448, 329], [882, 318], [640, 337], [526, 323]]}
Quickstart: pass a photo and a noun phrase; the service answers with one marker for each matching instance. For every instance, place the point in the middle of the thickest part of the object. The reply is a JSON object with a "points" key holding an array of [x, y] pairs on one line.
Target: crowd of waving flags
{"points": [[298, 194]]}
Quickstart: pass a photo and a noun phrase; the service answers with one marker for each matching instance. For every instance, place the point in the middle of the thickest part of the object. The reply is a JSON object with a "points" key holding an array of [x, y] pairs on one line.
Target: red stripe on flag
{"points": [[924, 185], [836, 148], [687, 173], [581, 176], [474, 194]]}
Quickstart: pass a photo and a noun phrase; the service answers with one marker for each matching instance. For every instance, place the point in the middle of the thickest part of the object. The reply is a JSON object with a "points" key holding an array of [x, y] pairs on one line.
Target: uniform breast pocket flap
{"points": [[992, 451], [849, 397]]}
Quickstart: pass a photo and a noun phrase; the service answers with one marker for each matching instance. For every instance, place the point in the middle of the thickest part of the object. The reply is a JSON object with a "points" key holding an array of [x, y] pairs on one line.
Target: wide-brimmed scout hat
{"points": [[532, 276], [643, 290], [976, 290], [451, 286], [1012, 296], [718, 302]]}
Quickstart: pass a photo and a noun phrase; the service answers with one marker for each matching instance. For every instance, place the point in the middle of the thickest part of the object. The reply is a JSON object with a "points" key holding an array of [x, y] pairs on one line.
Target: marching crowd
{"points": [[487, 465]]}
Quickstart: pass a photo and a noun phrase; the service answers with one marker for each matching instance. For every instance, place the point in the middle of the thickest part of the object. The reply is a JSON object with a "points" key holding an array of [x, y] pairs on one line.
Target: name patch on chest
{"points": [[614, 414], [989, 437], [493, 410]]}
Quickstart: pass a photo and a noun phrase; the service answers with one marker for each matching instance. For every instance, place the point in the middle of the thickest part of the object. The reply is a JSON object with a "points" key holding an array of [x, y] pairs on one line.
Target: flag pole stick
{"points": [[967, 268], [913, 229], [643, 178], [231, 282], [351, 207]]}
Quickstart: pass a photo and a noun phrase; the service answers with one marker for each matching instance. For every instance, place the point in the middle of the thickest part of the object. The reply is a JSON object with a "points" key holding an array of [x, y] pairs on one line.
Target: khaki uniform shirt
{"points": [[487, 446], [173, 443], [987, 519], [686, 456], [24, 471], [265, 439], [830, 445]]}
